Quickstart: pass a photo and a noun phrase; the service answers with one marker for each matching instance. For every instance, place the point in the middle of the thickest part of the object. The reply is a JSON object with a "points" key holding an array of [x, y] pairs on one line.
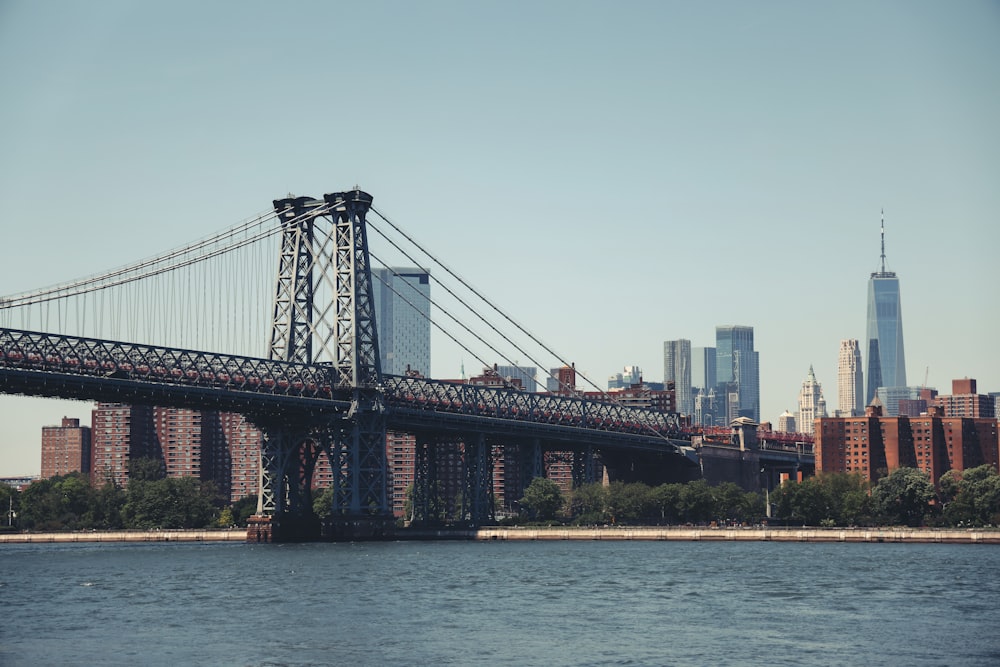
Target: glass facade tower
{"points": [[886, 364], [402, 318], [737, 370], [677, 368]]}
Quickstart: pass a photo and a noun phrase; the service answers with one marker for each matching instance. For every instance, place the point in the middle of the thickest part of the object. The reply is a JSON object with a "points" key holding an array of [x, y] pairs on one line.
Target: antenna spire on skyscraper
{"points": [[883, 240]]}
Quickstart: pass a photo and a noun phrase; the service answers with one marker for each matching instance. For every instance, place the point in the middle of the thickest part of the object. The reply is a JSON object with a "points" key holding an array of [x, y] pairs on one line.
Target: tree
{"points": [[322, 505], [9, 504], [244, 508], [588, 502], [971, 497], [696, 503], [108, 503], [63, 502], [175, 502], [542, 499], [146, 470], [665, 502], [903, 498], [627, 503]]}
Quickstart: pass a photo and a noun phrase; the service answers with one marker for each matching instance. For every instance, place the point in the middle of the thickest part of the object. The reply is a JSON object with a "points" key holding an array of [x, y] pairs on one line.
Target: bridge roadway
{"points": [[268, 392]]}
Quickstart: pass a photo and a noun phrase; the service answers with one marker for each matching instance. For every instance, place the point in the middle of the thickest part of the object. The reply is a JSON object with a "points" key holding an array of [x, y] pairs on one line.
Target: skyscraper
{"points": [[886, 364], [677, 368], [737, 369], [402, 318], [850, 384], [812, 405], [703, 369]]}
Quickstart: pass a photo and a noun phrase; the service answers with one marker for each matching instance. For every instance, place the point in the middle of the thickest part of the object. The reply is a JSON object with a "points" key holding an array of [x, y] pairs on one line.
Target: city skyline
{"points": [[724, 164]]}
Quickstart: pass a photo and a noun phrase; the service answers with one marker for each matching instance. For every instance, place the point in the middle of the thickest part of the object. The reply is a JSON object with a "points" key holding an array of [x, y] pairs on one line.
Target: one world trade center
{"points": [[886, 364]]}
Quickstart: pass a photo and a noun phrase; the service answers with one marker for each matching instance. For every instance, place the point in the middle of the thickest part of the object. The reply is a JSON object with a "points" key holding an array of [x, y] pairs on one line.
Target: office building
{"points": [[677, 369], [65, 448], [884, 343], [812, 405], [702, 369], [786, 422], [894, 397], [874, 445], [402, 319], [526, 375], [737, 372], [850, 380]]}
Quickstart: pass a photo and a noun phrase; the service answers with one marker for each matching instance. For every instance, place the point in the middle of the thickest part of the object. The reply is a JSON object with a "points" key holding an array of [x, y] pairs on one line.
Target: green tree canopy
{"points": [[903, 497], [542, 499], [587, 503], [174, 502], [971, 497]]}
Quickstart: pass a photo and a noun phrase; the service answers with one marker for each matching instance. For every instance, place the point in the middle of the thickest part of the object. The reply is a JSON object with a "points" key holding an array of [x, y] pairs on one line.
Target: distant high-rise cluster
{"points": [[715, 385], [629, 376]]}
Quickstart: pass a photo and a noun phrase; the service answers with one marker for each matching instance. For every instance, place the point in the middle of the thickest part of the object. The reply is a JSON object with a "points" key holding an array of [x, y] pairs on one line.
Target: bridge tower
{"points": [[324, 314]]}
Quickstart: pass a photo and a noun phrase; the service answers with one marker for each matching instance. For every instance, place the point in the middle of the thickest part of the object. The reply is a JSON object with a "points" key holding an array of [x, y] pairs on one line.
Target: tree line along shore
{"points": [[905, 497]]}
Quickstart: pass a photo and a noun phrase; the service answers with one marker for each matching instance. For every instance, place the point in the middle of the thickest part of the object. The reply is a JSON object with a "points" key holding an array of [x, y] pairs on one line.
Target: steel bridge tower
{"points": [[324, 314]]}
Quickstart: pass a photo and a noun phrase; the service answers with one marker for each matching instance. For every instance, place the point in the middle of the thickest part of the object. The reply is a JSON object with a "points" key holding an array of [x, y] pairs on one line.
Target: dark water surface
{"points": [[509, 603]]}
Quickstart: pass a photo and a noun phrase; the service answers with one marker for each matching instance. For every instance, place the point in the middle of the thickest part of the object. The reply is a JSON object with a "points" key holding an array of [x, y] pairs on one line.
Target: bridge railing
{"points": [[482, 401], [56, 353]]}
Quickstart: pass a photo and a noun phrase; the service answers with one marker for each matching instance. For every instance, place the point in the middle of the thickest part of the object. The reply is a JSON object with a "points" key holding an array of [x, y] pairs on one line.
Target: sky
{"points": [[613, 175]]}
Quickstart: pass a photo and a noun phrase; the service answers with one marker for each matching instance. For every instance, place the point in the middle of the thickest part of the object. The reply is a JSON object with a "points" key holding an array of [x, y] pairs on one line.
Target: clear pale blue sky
{"points": [[612, 174]]}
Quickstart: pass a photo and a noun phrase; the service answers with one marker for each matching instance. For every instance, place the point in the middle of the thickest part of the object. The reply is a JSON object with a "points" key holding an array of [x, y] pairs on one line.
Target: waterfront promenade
{"points": [[521, 534]]}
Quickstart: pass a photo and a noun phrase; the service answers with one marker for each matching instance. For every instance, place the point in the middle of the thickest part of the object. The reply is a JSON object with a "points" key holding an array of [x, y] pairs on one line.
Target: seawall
{"points": [[504, 534], [127, 536], [704, 534]]}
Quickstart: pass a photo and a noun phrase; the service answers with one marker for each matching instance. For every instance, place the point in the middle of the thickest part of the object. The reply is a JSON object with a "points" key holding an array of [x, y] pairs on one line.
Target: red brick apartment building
{"points": [[965, 402], [213, 446], [875, 445], [65, 448]]}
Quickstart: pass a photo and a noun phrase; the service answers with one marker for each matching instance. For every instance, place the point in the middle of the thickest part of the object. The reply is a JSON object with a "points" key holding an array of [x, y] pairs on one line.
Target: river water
{"points": [[507, 603]]}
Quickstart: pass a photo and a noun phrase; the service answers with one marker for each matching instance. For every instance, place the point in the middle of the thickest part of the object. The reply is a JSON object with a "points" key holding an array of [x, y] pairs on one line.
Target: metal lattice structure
{"points": [[324, 315], [321, 391]]}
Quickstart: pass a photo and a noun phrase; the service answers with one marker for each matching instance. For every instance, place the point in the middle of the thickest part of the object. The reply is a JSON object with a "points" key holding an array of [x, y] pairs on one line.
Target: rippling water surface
{"points": [[510, 603]]}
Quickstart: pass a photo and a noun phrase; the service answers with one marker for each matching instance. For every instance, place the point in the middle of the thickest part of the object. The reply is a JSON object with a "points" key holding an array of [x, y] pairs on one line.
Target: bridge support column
{"points": [[284, 505], [478, 506], [584, 467], [532, 462], [423, 497], [360, 485]]}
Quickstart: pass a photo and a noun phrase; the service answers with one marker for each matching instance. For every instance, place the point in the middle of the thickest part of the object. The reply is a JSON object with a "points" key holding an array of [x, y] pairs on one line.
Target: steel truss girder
{"points": [[513, 406], [116, 360]]}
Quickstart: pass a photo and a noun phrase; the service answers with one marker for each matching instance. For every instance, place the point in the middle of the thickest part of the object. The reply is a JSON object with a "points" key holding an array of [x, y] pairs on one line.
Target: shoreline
{"points": [[533, 534]]}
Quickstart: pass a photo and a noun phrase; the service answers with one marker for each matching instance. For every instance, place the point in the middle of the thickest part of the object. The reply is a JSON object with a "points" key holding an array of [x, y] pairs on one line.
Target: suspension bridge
{"points": [[303, 365]]}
